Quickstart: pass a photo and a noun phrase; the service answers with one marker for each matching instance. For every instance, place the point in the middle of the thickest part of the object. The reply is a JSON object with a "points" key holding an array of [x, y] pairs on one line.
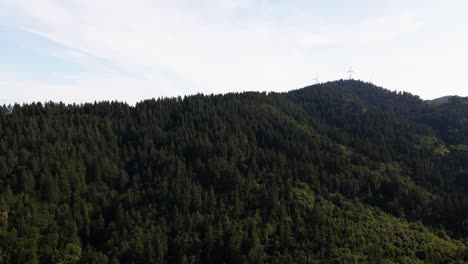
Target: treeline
{"points": [[342, 172]]}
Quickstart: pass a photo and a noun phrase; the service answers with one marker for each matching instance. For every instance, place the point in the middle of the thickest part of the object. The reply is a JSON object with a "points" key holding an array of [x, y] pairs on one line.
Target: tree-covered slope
{"points": [[342, 172]]}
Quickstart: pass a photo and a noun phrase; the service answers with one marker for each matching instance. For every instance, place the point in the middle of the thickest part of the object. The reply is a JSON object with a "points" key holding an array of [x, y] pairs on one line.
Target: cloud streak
{"points": [[171, 48]]}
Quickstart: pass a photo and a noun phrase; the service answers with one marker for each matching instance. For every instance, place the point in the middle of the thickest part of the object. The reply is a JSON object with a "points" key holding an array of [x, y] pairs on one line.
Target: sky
{"points": [[90, 50]]}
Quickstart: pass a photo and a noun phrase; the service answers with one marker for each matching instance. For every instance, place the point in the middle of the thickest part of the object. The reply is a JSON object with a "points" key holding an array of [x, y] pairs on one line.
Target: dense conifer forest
{"points": [[340, 172]]}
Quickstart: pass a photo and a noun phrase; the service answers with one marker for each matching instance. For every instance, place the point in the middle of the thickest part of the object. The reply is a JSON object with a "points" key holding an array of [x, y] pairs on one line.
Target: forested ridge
{"points": [[340, 172]]}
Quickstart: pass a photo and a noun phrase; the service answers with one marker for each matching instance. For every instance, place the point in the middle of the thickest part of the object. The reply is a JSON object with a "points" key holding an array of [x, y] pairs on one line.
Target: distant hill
{"points": [[446, 99], [339, 172]]}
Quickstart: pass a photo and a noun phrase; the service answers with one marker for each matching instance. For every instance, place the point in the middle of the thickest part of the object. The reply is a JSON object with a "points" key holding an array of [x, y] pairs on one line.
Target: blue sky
{"points": [[87, 50]]}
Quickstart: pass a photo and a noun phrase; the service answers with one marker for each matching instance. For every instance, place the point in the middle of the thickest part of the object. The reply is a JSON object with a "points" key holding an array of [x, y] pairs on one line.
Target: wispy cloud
{"points": [[141, 48], [370, 31]]}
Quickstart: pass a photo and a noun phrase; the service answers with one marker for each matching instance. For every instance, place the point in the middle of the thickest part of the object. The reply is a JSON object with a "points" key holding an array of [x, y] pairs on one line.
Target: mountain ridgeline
{"points": [[340, 172]]}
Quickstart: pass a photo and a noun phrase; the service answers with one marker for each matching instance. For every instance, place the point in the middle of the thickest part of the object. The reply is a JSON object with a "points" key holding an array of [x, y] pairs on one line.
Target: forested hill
{"points": [[446, 99], [340, 172]]}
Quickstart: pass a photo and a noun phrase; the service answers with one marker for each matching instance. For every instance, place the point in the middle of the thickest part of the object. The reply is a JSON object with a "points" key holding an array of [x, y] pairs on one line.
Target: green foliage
{"points": [[342, 172]]}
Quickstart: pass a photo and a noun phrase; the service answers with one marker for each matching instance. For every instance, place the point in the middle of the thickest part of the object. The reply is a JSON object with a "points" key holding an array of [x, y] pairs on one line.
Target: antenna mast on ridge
{"points": [[350, 71]]}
